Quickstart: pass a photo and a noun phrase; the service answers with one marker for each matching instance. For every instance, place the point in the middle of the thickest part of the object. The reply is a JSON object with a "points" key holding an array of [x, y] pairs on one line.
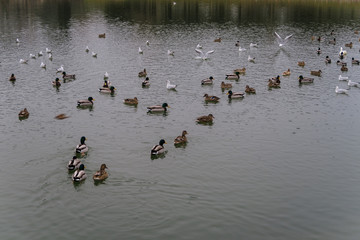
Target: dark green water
{"points": [[281, 164]]}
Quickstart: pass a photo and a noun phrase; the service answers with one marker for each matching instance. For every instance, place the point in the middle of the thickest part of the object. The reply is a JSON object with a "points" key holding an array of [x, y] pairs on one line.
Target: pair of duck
{"points": [[160, 149], [80, 174]]}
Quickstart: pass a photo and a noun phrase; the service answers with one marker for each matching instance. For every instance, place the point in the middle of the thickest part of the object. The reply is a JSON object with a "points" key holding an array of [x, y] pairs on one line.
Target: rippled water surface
{"points": [[279, 164]]}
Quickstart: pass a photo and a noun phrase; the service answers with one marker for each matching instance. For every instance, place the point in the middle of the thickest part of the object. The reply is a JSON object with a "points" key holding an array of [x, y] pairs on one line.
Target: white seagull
{"points": [[23, 61], [340, 90], [241, 49], [202, 55], [170, 86], [198, 46], [251, 59], [43, 65], [40, 53], [281, 41], [50, 57], [61, 69], [32, 56], [353, 84], [106, 75], [94, 54], [140, 51], [253, 45], [48, 50], [87, 49], [17, 40], [169, 52], [341, 78]]}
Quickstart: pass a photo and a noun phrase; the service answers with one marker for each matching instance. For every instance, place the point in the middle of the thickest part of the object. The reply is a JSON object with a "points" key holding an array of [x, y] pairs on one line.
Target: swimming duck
{"points": [[131, 101], [341, 78], [353, 84], [343, 68], [146, 82], [235, 76], [305, 80], [73, 164], [249, 89], [110, 90], [42, 65], [327, 59], [340, 90], [237, 44], [101, 174], [332, 41], [12, 77], [207, 81], [142, 73], [102, 35], [240, 70], [158, 108], [301, 63], [205, 119], [349, 45], [233, 95], [61, 116], [24, 114], [106, 84], [276, 79], [354, 61], [225, 85], [158, 149], [316, 73], [140, 51], [56, 83], [217, 40], [211, 98], [68, 76], [85, 103], [170, 86], [272, 84], [82, 148], [287, 73], [79, 175], [318, 51], [340, 63], [181, 139]]}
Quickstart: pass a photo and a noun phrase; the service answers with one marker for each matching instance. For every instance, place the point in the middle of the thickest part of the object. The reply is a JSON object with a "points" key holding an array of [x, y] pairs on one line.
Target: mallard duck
{"points": [[61, 116], [287, 73], [110, 90], [316, 73], [340, 90], [305, 80], [276, 79], [142, 73], [131, 101], [225, 85], [235, 76], [356, 32], [205, 119], [340, 63], [56, 83], [12, 77], [211, 98], [106, 84], [240, 70], [146, 82], [207, 81], [217, 40], [82, 148], [101, 174], [272, 84], [24, 113], [354, 61], [327, 60], [68, 76], [318, 51], [79, 175], [249, 89], [86, 103], [349, 45], [158, 108], [158, 149], [102, 35], [74, 164], [234, 95], [344, 69], [332, 41], [301, 63], [181, 139]]}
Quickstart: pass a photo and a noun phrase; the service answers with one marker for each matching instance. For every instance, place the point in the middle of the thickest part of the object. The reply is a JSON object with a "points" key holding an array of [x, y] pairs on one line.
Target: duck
{"points": [[340, 90], [237, 44], [225, 85], [158, 108], [110, 90], [68, 76], [181, 139], [42, 65], [23, 61], [344, 69], [32, 56], [342, 52], [61, 116], [170, 86], [287, 73], [12, 78], [24, 113], [276, 79], [103, 35], [205, 119], [56, 83], [356, 32], [249, 89], [140, 51], [217, 40], [82, 148], [74, 164], [131, 101], [341, 78], [207, 81], [158, 149], [101, 174], [301, 63], [272, 84], [86, 102], [146, 82], [235, 76], [353, 84], [251, 59], [318, 51], [305, 80], [79, 175], [170, 52], [94, 54], [340, 63], [354, 61], [332, 41], [47, 50], [211, 98], [327, 60], [234, 95], [240, 70], [87, 49], [60, 69], [349, 45], [106, 75], [316, 73], [106, 84], [142, 73]]}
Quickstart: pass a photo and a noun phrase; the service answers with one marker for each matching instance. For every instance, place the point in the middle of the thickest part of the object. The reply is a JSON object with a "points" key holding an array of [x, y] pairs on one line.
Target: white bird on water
{"points": [[40, 54], [94, 54], [169, 52], [241, 49], [87, 49], [170, 86], [17, 40], [253, 45], [281, 41], [202, 55], [61, 69], [353, 84], [140, 51], [341, 78], [340, 90], [23, 61], [106, 75], [32, 56], [251, 59], [50, 57], [48, 50], [43, 65], [198, 46]]}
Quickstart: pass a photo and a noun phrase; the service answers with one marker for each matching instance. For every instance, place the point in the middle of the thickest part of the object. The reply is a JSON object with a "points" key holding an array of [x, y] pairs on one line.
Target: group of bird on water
{"points": [[274, 82]]}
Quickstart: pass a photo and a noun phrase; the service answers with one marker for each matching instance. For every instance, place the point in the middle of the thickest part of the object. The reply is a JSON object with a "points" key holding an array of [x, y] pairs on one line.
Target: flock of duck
{"points": [[81, 149]]}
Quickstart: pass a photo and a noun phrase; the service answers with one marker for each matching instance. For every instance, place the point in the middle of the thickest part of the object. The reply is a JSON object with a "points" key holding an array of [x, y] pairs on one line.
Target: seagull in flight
{"points": [[281, 41], [202, 55]]}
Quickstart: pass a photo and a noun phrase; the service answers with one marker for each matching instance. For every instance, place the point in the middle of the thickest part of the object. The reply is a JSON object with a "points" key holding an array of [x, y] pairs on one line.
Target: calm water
{"points": [[281, 164]]}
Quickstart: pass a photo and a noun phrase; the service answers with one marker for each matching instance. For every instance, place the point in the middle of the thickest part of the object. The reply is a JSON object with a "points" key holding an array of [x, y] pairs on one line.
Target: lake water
{"points": [[280, 164]]}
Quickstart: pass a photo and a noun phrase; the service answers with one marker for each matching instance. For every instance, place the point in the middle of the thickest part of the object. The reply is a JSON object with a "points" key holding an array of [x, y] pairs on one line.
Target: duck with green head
{"points": [[110, 90], [73, 164], [82, 148], [79, 175], [235, 95], [158, 149], [158, 108], [86, 103]]}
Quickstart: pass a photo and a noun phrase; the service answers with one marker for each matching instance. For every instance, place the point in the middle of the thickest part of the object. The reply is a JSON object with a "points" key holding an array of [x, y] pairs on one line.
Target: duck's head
{"points": [[211, 116], [165, 105], [63, 73], [12, 75], [205, 95], [82, 140], [301, 77], [91, 99], [135, 98], [81, 167], [112, 88], [278, 77], [211, 78], [229, 93], [162, 142], [103, 166], [184, 133], [352, 58], [57, 79], [247, 86]]}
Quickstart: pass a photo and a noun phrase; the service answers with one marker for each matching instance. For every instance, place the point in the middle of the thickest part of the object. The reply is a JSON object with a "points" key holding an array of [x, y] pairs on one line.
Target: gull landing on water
{"points": [[202, 55], [281, 41]]}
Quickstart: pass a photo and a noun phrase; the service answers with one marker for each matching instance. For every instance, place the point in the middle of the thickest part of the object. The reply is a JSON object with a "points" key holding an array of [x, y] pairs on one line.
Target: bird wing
{"points": [[199, 51], [278, 36], [287, 37], [209, 52]]}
